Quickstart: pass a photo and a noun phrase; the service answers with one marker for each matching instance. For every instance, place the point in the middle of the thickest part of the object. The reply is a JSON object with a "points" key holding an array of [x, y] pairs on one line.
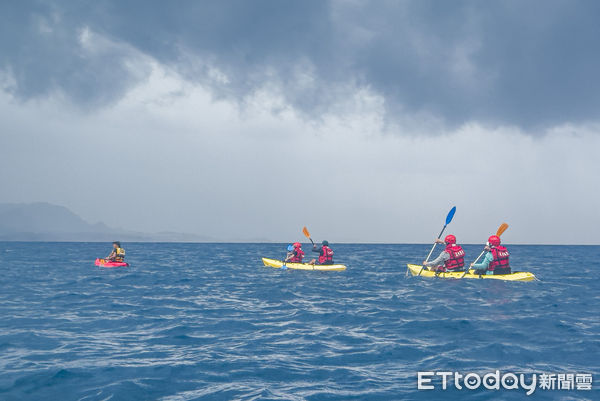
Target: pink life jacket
{"points": [[298, 255], [457, 257], [326, 255], [500, 255]]}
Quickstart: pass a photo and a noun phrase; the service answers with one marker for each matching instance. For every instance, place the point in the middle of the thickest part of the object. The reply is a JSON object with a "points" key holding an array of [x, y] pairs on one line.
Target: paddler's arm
{"points": [[444, 256], [484, 263], [316, 250]]}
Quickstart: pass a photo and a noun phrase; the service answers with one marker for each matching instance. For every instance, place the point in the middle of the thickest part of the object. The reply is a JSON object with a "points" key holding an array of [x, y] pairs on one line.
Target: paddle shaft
{"points": [[476, 260], [435, 243], [479, 257], [432, 248]]}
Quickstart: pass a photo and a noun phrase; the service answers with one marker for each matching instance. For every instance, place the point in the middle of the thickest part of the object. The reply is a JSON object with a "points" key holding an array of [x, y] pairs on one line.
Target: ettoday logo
{"points": [[507, 381]]}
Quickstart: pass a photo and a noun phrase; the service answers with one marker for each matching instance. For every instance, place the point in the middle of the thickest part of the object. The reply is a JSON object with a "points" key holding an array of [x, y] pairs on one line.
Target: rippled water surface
{"points": [[209, 322]]}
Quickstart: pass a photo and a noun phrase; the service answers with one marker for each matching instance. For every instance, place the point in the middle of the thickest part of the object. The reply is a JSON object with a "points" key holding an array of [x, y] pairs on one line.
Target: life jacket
{"points": [[500, 255], [326, 255], [119, 254], [457, 257], [298, 255]]}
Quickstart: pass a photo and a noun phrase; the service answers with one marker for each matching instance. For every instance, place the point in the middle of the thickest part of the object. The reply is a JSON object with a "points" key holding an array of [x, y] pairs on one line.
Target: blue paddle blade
{"points": [[450, 215], [284, 267]]}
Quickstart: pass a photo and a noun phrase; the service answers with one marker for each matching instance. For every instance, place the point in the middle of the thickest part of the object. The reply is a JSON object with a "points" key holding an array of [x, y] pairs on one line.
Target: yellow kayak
{"points": [[515, 276], [302, 266]]}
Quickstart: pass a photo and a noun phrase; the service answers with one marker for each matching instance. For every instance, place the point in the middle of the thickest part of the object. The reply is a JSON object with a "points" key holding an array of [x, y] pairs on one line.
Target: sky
{"points": [[364, 121]]}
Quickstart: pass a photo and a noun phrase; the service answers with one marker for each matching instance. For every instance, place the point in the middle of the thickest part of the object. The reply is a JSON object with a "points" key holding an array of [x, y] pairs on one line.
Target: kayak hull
{"points": [[104, 263], [516, 276], [278, 264]]}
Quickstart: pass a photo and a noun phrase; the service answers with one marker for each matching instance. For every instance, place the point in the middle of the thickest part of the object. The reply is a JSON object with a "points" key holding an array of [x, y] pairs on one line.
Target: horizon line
{"points": [[278, 242]]}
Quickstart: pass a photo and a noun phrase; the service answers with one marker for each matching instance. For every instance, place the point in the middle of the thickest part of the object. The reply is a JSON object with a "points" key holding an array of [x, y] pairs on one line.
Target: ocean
{"points": [[210, 322]]}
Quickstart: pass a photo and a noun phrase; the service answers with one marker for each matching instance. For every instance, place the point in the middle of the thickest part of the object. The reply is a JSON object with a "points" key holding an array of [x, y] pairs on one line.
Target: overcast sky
{"points": [[365, 121]]}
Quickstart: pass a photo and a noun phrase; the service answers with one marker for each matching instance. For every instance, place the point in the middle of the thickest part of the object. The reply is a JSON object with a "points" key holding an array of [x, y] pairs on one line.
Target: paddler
{"points": [[296, 254], [495, 260], [451, 259], [290, 252], [117, 254], [325, 254]]}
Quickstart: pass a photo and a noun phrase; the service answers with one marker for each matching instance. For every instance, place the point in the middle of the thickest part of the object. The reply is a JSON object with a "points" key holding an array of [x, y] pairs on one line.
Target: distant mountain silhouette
{"points": [[47, 222]]}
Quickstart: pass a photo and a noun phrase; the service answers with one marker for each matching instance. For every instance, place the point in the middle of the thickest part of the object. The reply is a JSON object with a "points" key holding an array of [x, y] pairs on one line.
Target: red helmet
{"points": [[450, 239], [494, 240], [297, 245]]}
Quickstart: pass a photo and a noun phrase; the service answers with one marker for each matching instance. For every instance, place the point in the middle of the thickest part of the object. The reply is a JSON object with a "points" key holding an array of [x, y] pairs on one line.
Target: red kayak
{"points": [[108, 263]]}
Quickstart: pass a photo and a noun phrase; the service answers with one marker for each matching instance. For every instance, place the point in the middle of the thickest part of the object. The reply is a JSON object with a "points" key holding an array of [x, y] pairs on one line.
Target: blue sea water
{"points": [[209, 322]]}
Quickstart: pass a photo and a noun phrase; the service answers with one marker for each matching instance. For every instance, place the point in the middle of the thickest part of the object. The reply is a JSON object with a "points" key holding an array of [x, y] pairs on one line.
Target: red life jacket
{"points": [[326, 255], [500, 255], [457, 257], [298, 255]]}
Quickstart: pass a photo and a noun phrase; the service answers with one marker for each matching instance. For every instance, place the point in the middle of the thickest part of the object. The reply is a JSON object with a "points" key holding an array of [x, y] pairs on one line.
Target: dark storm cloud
{"points": [[524, 63], [40, 47]]}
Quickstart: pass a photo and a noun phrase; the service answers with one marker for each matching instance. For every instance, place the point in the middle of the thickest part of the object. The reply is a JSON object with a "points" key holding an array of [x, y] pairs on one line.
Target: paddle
{"points": [[500, 231], [307, 234], [448, 220]]}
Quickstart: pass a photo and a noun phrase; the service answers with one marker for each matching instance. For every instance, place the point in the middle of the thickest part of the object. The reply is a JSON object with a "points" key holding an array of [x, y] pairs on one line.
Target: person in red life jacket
{"points": [[495, 260], [451, 259], [325, 254], [296, 255]]}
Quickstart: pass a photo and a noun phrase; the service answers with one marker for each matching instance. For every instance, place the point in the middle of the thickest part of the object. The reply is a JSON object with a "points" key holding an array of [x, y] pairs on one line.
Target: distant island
{"points": [[42, 221]]}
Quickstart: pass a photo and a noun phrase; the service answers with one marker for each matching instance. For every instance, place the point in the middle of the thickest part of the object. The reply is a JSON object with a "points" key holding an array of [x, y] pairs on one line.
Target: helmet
{"points": [[494, 240], [117, 243], [290, 248], [326, 243], [297, 245], [450, 239]]}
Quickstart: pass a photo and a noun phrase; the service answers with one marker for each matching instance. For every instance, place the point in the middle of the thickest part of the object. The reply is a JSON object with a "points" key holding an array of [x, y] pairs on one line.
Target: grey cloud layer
{"points": [[532, 64]]}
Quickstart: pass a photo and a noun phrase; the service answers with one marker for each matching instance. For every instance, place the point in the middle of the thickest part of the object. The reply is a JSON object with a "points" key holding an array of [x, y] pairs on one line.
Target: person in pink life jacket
{"points": [[451, 259], [495, 260], [296, 255], [325, 254]]}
